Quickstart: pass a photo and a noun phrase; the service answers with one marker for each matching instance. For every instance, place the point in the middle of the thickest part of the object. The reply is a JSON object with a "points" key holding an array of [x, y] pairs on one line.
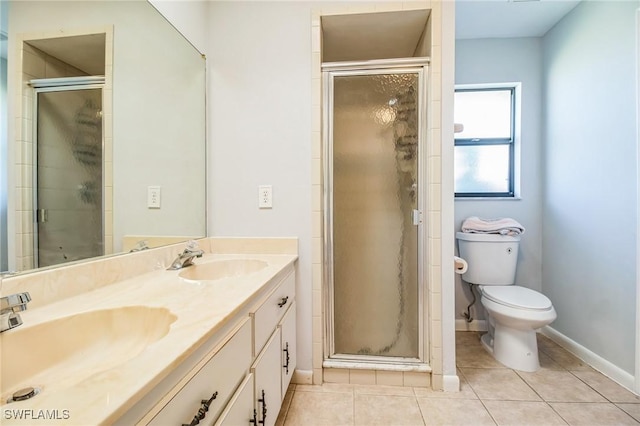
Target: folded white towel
{"points": [[503, 226]]}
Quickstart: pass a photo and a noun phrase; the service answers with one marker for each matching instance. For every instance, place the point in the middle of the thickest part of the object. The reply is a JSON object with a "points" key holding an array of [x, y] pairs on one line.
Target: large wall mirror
{"points": [[104, 142]]}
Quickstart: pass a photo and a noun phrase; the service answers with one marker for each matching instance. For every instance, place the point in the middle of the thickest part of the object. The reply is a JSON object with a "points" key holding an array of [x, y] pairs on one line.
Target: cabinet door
{"points": [[220, 376], [267, 317], [240, 410], [288, 365], [267, 375]]}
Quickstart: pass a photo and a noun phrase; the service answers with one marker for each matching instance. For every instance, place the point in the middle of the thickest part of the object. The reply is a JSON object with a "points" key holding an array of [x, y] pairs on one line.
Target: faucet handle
{"points": [[15, 302]]}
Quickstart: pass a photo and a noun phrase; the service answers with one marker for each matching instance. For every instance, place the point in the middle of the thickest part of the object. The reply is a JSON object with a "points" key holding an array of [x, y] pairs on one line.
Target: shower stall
{"points": [[374, 134]]}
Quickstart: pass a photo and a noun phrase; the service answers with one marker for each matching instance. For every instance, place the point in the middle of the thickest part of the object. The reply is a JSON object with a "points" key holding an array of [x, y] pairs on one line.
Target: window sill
{"points": [[487, 199]]}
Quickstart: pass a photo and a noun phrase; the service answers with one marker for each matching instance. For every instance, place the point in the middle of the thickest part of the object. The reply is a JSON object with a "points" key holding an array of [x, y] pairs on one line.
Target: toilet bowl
{"points": [[514, 312]]}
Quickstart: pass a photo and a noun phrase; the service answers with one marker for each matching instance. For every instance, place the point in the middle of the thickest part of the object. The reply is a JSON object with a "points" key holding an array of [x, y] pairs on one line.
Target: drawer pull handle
{"points": [[202, 412], [286, 350], [263, 400], [254, 420], [283, 301]]}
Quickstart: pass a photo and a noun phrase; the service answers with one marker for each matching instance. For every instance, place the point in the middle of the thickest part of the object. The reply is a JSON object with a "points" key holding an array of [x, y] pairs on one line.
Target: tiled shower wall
{"points": [[431, 46], [38, 64]]}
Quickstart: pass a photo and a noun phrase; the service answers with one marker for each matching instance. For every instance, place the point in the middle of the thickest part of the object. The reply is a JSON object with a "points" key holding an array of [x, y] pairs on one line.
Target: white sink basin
{"points": [[71, 348], [219, 269]]}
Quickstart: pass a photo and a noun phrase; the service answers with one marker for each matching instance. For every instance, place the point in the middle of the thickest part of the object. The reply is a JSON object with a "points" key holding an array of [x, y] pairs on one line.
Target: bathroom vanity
{"points": [[213, 343]]}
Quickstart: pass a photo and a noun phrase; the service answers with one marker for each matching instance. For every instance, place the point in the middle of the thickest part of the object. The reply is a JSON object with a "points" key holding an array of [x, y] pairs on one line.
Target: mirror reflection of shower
{"points": [[68, 180]]}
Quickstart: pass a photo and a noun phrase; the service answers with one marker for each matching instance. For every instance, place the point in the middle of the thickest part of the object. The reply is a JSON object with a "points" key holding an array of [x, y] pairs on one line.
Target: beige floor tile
{"points": [[465, 391], [326, 387], [475, 357], [632, 409], [521, 413], [453, 412], [592, 414], [466, 338], [547, 362], [544, 342], [606, 387], [564, 358], [493, 383], [320, 408], [387, 410], [383, 390], [560, 386]]}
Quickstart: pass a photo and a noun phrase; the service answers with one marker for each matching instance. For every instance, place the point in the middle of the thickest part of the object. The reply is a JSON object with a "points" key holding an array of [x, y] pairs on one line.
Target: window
{"points": [[485, 149]]}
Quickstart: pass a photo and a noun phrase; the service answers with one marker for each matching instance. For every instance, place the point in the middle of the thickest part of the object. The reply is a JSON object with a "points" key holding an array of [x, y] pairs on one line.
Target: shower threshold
{"points": [[391, 365]]}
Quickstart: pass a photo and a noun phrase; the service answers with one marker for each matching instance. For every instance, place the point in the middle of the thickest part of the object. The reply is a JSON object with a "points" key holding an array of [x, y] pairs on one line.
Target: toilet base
{"points": [[517, 349]]}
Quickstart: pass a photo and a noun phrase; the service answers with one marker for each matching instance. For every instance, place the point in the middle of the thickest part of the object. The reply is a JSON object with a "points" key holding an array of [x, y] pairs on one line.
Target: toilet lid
{"points": [[517, 297]]}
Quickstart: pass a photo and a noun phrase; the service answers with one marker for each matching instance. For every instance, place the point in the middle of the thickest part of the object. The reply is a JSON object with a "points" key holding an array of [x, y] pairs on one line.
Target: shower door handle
{"points": [[42, 215], [417, 217]]}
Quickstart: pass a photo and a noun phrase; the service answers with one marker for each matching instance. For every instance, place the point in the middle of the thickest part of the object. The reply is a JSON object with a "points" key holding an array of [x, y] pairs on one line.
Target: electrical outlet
{"points": [[153, 197], [265, 197]]}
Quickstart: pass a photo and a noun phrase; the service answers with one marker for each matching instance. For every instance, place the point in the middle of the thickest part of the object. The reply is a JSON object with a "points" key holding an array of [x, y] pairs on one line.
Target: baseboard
{"points": [[450, 383], [475, 325], [610, 370], [302, 377]]}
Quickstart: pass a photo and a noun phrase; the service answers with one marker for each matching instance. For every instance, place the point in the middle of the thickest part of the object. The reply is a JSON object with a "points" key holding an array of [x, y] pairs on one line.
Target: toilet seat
{"points": [[517, 297]]}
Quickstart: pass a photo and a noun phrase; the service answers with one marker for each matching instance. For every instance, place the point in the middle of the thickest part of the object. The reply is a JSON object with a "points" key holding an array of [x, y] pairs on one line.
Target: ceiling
{"points": [[509, 18]]}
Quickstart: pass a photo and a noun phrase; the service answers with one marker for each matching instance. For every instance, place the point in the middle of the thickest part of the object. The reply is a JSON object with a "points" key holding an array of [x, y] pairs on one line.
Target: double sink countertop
{"points": [[93, 356]]}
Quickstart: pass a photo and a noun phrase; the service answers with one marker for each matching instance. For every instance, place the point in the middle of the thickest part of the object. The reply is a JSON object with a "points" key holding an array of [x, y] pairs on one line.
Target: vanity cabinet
{"points": [[274, 364], [243, 377], [215, 382], [240, 410], [288, 346], [268, 389]]}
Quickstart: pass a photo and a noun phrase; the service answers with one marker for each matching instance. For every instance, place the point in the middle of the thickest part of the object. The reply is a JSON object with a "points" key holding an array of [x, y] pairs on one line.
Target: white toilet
{"points": [[514, 312]]}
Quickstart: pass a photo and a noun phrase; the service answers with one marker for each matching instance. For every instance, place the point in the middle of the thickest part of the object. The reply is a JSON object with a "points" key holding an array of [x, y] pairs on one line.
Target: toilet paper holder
{"points": [[460, 265]]}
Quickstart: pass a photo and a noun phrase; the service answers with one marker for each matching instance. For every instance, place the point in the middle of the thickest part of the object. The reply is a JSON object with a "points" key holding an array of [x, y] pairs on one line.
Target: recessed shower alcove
{"points": [[375, 134]]}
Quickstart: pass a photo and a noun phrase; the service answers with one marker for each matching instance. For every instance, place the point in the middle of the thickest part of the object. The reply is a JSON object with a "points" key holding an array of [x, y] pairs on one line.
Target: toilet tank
{"points": [[492, 258]]}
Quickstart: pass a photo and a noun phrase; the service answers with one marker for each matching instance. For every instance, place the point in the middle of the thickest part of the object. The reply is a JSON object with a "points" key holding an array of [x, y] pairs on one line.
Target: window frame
{"points": [[512, 142]]}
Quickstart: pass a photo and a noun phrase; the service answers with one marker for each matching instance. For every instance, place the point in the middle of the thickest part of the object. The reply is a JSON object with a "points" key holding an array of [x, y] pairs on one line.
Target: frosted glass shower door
{"points": [[374, 190], [69, 175]]}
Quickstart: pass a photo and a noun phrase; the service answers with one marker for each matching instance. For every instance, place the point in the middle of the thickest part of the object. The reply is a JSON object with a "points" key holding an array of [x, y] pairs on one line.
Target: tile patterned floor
{"points": [[565, 391]]}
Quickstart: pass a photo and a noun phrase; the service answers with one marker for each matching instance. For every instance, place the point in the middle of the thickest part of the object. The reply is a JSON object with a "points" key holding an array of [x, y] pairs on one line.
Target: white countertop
{"points": [[201, 309]]}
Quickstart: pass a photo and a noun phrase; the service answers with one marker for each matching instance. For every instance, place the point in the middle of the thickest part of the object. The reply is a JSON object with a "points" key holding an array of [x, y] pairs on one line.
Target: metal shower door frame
{"points": [[417, 66], [63, 84]]}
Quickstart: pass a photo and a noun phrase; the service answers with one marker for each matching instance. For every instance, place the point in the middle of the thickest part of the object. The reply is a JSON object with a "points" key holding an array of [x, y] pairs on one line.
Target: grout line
{"points": [[557, 413], [424, 421], [591, 387]]}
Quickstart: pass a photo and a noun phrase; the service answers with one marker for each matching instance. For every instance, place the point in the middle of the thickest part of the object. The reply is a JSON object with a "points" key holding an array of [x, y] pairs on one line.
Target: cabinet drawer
{"points": [[267, 316], [240, 410], [222, 374]]}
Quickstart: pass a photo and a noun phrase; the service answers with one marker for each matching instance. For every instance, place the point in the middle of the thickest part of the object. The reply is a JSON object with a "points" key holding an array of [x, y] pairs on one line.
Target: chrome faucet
{"points": [[185, 259], [9, 308]]}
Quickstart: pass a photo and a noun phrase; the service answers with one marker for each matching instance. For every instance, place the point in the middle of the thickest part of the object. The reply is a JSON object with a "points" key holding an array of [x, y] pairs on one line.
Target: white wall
{"points": [[188, 17], [589, 209], [500, 61], [260, 121]]}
